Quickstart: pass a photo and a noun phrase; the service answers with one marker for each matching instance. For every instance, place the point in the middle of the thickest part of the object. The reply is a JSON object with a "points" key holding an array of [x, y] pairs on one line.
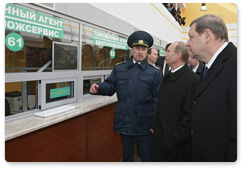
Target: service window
{"points": [[57, 92], [102, 50], [88, 82], [20, 97]]}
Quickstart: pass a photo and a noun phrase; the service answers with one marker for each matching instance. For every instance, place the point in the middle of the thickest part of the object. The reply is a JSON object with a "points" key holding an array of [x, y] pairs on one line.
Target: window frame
{"points": [[44, 105], [89, 96]]}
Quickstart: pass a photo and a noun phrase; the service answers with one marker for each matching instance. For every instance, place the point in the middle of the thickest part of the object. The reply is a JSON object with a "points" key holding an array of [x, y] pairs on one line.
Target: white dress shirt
{"points": [[135, 62], [209, 64], [173, 71], [195, 68]]}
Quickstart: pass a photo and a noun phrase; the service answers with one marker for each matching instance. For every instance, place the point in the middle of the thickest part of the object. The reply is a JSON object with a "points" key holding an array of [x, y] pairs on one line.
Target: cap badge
{"points": [[140, 41]]}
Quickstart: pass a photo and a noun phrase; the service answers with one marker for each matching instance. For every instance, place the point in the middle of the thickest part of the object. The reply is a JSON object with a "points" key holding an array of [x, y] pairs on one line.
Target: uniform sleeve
{"points": [[181, 134], [155, 92], [108, 87]]}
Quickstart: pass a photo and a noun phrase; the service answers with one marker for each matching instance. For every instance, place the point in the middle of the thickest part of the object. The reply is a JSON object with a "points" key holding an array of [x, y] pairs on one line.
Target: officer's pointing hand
{"points": [[94, 88]]}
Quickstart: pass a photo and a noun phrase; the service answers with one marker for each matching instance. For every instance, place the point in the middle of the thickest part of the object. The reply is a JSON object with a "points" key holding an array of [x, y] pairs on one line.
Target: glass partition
{"points": [[20, 97], [102, 50]]}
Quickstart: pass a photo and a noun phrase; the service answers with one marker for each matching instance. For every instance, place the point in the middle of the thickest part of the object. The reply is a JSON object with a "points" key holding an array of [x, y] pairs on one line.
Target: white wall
{"points": [[151, 17], [232, 33]]}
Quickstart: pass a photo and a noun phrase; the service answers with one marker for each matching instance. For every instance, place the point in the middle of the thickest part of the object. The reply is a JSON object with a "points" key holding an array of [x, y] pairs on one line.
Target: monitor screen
{"points": [[64, 56]]}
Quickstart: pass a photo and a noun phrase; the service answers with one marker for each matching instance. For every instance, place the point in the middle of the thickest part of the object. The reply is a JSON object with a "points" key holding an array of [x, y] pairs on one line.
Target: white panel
{"points": [[153, 18]]}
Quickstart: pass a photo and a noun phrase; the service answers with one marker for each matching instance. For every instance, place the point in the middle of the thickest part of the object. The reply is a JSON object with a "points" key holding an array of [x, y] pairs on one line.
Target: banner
{"points": [[24, 20], [161, 52], [106, 39]]}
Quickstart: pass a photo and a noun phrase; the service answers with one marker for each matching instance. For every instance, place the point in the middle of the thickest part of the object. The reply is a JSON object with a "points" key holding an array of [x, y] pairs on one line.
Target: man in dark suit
{"points": [[214, 114], [152, 56], [162, 63], [172, 121], [196, 65]]}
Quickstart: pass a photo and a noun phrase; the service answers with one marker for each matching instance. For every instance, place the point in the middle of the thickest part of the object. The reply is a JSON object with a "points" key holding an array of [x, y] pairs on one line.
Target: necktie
{"points": [[205, 71]]}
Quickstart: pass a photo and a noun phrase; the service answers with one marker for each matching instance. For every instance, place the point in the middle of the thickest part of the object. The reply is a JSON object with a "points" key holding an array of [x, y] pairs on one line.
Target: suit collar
{"points": [[227, 50], [179, 73], [216, 67], [214, 57]]}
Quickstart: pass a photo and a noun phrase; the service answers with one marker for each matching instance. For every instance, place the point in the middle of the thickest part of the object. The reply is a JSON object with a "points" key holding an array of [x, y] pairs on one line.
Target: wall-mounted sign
{"points": [[14, 42], [59, 92], [109, 40], [24, 20], [161, 52], [112, 53]]}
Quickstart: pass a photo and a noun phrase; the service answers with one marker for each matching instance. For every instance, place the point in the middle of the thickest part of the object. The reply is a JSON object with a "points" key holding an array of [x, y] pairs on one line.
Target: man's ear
{"points": [[208, 35], [179, 55]]}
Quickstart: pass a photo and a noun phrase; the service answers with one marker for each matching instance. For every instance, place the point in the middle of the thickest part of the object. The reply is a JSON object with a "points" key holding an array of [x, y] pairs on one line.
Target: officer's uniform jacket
{"points": [[137, 87]]}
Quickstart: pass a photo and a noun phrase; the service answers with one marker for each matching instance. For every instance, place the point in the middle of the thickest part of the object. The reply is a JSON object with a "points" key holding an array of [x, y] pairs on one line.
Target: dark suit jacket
{"points": [[172, 120], [214, 115], [200, 69], [160, 61], [160, 64]]}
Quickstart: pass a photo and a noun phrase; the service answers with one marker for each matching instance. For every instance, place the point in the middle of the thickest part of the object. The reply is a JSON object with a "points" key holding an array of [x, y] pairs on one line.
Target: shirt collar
{"points": [[179, 72], [142, 64], [209, 64], [195, 68], [135, 61], [173, 71], [152, 64]]}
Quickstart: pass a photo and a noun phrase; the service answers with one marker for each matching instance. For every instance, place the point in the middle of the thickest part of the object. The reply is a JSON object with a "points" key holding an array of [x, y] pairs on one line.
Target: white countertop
{"points": [[32, 123]]}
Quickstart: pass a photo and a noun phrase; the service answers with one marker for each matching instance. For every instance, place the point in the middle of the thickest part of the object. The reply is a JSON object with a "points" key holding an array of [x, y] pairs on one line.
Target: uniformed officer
{"points": [[136, 83]]}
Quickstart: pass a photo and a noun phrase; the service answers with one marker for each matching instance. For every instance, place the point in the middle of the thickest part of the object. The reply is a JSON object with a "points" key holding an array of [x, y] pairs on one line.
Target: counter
{"points": [[26, 125]]}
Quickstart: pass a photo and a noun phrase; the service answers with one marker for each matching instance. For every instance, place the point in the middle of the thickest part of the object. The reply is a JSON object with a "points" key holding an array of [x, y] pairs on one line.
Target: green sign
{"points": [[14, 42], [161, 52], [59, 92], [106, 39], [24, 20], [112, 53]]}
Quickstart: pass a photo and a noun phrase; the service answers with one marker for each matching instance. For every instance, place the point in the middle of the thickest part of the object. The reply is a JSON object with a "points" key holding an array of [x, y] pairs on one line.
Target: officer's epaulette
{"points": [[155, 66], [121, 63]]}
